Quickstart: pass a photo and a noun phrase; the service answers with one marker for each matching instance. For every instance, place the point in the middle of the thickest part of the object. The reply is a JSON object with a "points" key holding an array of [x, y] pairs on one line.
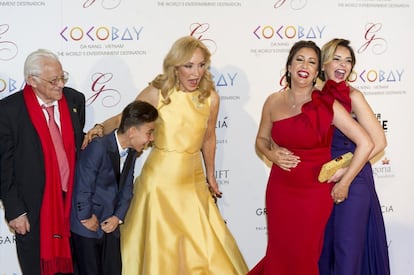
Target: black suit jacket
{"points": [[21, 156]]}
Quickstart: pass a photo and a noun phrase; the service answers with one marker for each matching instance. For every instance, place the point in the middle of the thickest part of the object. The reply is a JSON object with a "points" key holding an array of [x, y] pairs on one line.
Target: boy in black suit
{"points": [[103, 190]]}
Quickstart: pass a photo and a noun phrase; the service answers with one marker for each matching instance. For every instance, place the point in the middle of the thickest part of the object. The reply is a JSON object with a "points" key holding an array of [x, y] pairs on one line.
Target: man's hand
{"points": [[20, 225]]}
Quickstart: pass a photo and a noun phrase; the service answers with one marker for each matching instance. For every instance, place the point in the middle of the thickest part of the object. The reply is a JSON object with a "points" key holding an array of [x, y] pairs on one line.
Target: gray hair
{"points": [[33, 66]]}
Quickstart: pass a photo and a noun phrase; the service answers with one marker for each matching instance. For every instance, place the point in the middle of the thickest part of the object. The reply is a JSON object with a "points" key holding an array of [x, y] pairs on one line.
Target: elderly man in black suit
{"points": [[41, 131]]}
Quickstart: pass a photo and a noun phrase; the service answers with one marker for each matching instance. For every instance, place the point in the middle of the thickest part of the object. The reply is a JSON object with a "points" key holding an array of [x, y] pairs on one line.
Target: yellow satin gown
{"points": [[173, 226]]}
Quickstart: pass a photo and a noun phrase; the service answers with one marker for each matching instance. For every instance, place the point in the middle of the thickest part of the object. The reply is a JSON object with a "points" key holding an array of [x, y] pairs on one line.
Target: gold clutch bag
{"points": [[329, 168]]}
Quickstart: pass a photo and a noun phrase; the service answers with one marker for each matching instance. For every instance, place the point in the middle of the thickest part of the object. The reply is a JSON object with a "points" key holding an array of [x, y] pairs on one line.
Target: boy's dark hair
{"points": [[137, 113]]}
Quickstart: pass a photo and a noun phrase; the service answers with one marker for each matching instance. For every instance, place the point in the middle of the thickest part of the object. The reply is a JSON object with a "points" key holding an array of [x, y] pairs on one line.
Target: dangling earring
{"points": [[288, 74]]}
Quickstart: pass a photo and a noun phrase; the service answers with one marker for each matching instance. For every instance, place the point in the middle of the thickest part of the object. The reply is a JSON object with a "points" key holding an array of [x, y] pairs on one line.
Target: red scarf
{"points": [[55, 252]]}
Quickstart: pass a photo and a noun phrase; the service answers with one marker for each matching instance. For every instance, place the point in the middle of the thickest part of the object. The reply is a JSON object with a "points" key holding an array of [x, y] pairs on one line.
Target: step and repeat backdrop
{"points": [[113, 48]]}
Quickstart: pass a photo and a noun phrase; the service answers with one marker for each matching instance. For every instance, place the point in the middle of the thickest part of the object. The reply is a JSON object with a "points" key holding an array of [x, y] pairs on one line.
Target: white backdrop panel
{"points": [[113, 48]]}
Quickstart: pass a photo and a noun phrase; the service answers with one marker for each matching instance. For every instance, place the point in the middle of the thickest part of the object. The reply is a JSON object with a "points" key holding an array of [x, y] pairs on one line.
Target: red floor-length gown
{"points": [[298, 205]]}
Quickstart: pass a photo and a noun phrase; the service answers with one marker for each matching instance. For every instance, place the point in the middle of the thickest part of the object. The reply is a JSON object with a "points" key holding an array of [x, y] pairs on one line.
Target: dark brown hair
{"points": [[295, 48]]}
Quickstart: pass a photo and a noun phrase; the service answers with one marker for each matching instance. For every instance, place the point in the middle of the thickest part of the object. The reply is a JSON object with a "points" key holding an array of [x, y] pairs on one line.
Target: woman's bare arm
{"points": [[368, 121], [209, 144], [149, 94], [364, 145]]}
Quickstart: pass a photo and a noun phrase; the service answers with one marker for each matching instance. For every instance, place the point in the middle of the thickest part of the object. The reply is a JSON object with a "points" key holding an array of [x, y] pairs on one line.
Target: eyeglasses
{"points": [[55, 81]]}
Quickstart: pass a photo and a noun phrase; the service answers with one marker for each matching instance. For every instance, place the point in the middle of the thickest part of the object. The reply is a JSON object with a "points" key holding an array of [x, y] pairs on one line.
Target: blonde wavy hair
{"points": [[181, 52], [328, 52]]}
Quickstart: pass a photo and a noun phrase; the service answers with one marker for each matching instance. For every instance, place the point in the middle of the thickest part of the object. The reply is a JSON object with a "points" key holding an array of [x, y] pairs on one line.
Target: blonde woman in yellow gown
{"points": [[173, 226]]}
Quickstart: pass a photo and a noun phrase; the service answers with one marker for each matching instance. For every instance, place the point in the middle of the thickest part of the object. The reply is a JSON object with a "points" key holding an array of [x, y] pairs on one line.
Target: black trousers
{"points": [[28, 252], [97, 256]]}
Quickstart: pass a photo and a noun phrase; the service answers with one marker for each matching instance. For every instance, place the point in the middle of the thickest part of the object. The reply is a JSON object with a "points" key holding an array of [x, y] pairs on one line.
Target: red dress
{"points": [[298, 206]]}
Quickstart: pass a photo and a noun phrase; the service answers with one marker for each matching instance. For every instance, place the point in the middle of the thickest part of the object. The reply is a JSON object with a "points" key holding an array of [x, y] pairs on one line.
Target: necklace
{"points": [[292, 99]]}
